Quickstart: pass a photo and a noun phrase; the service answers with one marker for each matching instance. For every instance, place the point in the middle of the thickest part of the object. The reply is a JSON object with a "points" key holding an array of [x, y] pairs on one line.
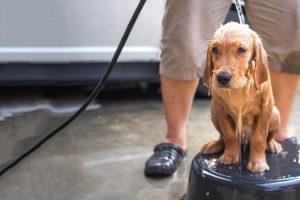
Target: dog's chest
{"points": [[248, 122], [244, 110], [248, 127]]}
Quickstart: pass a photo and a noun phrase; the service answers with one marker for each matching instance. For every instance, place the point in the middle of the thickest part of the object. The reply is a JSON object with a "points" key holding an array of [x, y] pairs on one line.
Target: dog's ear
{"points": [[261, 71], [208, 68]]}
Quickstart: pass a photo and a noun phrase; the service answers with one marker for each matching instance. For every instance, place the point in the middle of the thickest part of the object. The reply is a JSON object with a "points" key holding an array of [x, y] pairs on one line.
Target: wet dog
{"points": [[242, 109]]}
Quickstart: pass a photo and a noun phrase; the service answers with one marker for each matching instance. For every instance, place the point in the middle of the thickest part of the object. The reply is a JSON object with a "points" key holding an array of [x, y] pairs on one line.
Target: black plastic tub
{"points": [[211, 180]]}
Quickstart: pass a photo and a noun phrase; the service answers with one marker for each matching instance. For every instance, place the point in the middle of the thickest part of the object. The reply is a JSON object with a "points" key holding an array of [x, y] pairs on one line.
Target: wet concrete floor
{"points": [[101, 156]]}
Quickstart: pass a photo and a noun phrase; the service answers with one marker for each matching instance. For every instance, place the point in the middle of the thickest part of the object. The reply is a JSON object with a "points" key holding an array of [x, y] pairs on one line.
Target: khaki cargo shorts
{"points": [[189, 25]]}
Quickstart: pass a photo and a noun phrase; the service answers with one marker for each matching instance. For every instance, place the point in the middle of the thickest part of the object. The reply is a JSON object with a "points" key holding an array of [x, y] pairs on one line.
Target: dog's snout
{"points": [[224, 77]]}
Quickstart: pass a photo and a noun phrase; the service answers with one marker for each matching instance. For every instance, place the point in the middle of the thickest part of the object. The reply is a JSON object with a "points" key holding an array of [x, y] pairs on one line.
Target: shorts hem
{"points": [[180, 74]]}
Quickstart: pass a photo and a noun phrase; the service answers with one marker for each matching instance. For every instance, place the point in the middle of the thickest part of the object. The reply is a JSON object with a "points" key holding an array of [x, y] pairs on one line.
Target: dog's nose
{"points": [[224, 77]]}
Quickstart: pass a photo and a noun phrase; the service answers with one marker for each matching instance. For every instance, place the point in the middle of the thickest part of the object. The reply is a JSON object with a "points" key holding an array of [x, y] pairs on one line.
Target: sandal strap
{"points": [[169, 147]]}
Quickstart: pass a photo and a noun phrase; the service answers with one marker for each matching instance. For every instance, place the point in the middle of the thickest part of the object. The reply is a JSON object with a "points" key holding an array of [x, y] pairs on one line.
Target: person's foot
{"points": [[165, 160]]}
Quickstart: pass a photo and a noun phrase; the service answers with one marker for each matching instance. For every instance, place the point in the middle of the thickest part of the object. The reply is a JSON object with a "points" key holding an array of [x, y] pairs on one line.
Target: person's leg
{"points": [[276, 23], [177, 101], [285, 89], [187, 28]]}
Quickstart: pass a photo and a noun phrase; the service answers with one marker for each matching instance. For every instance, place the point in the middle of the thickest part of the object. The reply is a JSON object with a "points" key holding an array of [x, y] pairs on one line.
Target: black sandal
{"points": [[165, 160]]}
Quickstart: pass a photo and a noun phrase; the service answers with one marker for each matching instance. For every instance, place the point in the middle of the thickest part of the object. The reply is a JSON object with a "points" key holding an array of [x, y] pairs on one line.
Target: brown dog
{"points": [[243, 107]]}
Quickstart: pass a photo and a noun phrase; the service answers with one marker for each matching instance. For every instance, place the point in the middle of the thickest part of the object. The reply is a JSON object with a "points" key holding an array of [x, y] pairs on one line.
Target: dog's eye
{"points": [[241, 50], [214, 50]]}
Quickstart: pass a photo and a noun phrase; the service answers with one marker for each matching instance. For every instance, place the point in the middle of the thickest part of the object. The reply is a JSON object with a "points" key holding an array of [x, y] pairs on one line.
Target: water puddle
{"points": [[63, 108], [62, 105]]}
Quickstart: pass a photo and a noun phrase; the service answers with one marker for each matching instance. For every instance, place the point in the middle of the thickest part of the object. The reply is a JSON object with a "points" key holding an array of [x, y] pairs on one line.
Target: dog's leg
{"points": [[272, 145], [228, 139], [215, 145], [257, 157], [231, 153], [212, 146]]}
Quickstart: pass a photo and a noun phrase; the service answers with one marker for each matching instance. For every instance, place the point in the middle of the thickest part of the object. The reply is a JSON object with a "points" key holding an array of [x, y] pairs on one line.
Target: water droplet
{"points": [[230, 167], [295, 160], [207, 193]]}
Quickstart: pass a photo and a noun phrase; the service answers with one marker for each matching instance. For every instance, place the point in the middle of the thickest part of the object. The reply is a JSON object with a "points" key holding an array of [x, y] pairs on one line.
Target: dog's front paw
{"points": [[273, 146], [229, 158], [257, 165], [212, 147]]}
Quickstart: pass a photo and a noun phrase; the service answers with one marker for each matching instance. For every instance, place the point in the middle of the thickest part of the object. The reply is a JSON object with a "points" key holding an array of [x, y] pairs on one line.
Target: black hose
{"points": [[93, 95]]}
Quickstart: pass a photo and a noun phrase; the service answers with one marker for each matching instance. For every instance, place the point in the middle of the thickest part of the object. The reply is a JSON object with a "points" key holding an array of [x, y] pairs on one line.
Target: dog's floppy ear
{"points": [[261, 72], [208, 68]]}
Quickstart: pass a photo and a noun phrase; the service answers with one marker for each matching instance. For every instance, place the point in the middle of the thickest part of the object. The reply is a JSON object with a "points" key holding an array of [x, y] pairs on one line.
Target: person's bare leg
{"points": [[177, 101], [285, 88]]}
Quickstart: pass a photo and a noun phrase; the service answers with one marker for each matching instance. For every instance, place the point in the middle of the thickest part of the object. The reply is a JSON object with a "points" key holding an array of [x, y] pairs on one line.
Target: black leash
{"points": [[93, 95]]}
